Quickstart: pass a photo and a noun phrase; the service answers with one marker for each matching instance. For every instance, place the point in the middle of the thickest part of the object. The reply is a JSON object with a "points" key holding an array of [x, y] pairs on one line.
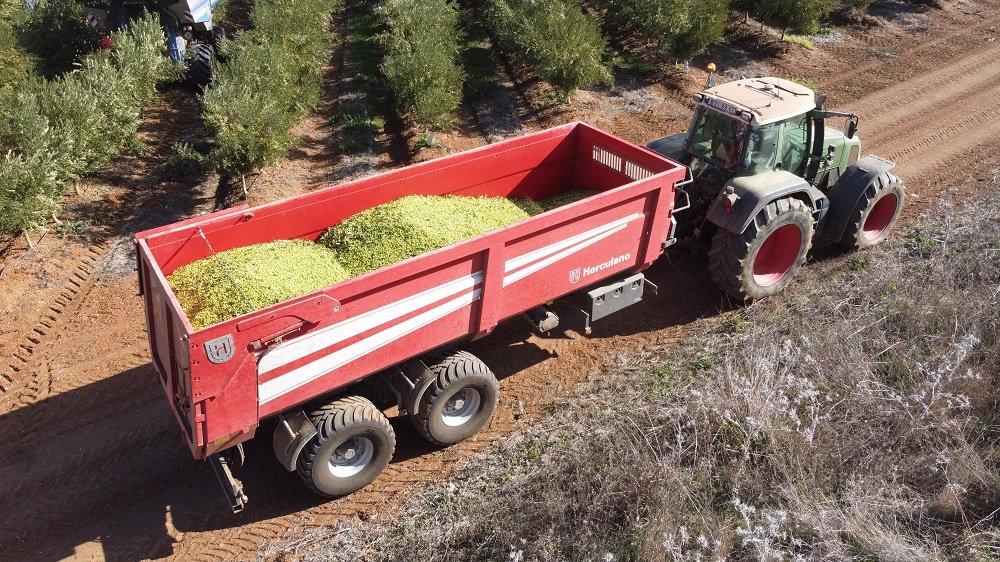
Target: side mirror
{"points": [[852, 128]]}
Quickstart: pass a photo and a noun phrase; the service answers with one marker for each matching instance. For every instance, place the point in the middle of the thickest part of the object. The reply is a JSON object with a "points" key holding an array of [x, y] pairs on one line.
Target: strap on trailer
{"points": [[231, 487]]}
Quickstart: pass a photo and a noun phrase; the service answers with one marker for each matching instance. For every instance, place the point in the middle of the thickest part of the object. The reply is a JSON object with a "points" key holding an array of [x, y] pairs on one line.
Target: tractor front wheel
{"points": [[875, 213], [765, 257]]}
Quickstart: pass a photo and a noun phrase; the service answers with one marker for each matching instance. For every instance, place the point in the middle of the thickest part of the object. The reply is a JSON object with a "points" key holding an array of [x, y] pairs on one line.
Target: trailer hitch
{"points": [[231, 487]]}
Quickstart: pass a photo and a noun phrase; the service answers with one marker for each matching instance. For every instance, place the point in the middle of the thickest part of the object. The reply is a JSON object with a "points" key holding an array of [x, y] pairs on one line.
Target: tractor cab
{"points": [[759, 125]]}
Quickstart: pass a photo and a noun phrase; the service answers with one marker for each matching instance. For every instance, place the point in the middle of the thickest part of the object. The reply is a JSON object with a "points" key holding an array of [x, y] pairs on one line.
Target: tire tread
{"points": [[332, 418]]}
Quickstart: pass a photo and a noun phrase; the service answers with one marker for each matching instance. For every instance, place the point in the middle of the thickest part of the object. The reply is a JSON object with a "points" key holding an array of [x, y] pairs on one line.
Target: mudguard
{"points": [[753, 193], [673, 147], [293, 432], [847, 192]]}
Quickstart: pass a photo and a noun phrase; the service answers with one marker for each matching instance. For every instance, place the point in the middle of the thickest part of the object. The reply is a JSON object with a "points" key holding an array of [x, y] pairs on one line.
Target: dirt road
{"points": [[92, 463]]}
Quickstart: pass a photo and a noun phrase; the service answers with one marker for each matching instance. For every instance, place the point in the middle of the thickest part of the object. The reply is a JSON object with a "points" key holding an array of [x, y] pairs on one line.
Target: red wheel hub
{"points": [[880, 217], [777, 255]]}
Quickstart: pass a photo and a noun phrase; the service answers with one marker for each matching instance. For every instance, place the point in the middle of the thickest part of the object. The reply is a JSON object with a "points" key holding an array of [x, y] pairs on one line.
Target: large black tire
{"points": [[765, 257], [459, 402], [201, 65], [353, 445], [875, 213]]}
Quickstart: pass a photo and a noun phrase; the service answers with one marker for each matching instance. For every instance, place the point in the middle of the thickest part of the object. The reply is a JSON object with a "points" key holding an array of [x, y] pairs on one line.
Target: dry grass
{"points": [[854, 418]]}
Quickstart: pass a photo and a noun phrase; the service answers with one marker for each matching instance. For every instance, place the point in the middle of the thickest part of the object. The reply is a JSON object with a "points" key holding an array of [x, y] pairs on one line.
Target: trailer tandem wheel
{"points": [[353, 445], [459, 402]]}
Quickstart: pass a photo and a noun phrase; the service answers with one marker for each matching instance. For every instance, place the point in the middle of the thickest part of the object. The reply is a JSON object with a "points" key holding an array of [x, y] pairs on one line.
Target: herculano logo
{"points": [[578, 273]]}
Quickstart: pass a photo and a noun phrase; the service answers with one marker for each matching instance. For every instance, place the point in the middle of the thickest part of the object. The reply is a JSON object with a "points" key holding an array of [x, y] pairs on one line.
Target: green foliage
{"points": [[800, 40], [554, 37], [241, 280], [16, 64], [57, 32], [856, 8], [271, 79], [56, 131], [413, 225], [25, 191], [682, 28], [422, 44], [799, 16]]}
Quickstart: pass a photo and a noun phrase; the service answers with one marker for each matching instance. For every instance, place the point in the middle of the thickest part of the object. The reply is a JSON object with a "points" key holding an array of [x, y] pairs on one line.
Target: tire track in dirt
{"points": [[928, 121], [934, 95], [920, 58], [26, 381]]}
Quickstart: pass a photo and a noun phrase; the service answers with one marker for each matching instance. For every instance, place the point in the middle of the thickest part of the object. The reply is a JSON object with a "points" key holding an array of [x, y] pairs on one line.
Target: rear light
{"points": [[729, 199]]}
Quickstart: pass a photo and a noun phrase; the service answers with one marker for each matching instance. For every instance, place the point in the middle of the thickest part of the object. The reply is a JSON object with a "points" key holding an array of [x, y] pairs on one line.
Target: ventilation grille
{"points": [[636, 172], [610, 160], [620, 165]]}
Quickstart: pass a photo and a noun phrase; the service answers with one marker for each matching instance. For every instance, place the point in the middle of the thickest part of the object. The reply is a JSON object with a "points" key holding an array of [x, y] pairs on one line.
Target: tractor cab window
{"points": [[763, 152], [793, 155], [718, 138]]}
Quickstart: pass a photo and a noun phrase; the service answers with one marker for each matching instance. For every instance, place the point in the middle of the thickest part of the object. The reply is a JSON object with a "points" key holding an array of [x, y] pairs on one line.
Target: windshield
{"points": [[718, 138]]}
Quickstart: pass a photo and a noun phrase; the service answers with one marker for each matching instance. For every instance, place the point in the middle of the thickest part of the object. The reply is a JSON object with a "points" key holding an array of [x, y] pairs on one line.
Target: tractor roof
{"points": [[768, 100]]}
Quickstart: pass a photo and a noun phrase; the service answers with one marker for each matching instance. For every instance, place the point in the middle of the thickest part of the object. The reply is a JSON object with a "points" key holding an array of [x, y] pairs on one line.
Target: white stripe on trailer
{"points": [[596, 235], [308, 344], [284, 354], [307, 373], [521, 261]]}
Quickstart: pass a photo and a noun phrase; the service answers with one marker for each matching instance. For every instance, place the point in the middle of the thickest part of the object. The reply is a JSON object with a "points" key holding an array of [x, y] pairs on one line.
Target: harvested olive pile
{"points": [[241, 280], [411, 226]]}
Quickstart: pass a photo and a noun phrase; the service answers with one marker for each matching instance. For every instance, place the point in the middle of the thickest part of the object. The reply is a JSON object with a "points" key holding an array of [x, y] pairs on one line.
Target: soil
{"points": [[93, 464]]}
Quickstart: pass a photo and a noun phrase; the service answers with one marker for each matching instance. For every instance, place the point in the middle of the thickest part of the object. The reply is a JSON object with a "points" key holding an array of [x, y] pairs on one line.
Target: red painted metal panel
{"points": [[351, 330]]}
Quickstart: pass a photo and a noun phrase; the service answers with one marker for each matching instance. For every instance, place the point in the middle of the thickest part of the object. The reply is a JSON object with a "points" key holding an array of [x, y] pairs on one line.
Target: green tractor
{"points": [[769, 177]]}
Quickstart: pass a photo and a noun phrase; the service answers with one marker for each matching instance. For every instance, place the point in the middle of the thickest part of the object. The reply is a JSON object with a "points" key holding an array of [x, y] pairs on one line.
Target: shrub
{"points": [[26, 191], [422, 45], [15, 62], [57, 32], [271, 79], [856, 8], [56, 131], [682, 28], [554, 37], [799, 16]]}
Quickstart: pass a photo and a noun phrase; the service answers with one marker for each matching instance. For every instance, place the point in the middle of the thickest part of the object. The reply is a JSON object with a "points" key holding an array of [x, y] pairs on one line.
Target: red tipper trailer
{"points": [[302, 359]]}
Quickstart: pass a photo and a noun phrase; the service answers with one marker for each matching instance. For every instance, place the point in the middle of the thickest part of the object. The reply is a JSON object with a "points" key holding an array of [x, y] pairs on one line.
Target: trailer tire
{"points": [[353, 445], [875, 213], [765, 257], [201, 65], [459, 402]]}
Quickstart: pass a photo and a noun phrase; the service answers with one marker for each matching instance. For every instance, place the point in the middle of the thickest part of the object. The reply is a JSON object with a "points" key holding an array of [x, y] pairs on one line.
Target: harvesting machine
{"points": [[187, 24]]}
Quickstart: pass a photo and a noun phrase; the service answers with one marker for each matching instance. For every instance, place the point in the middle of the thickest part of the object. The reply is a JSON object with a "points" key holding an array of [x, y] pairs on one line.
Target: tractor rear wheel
{"points": [[459, 402], [201, 65], [353, 445], [765, 257], [875, 213]]}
